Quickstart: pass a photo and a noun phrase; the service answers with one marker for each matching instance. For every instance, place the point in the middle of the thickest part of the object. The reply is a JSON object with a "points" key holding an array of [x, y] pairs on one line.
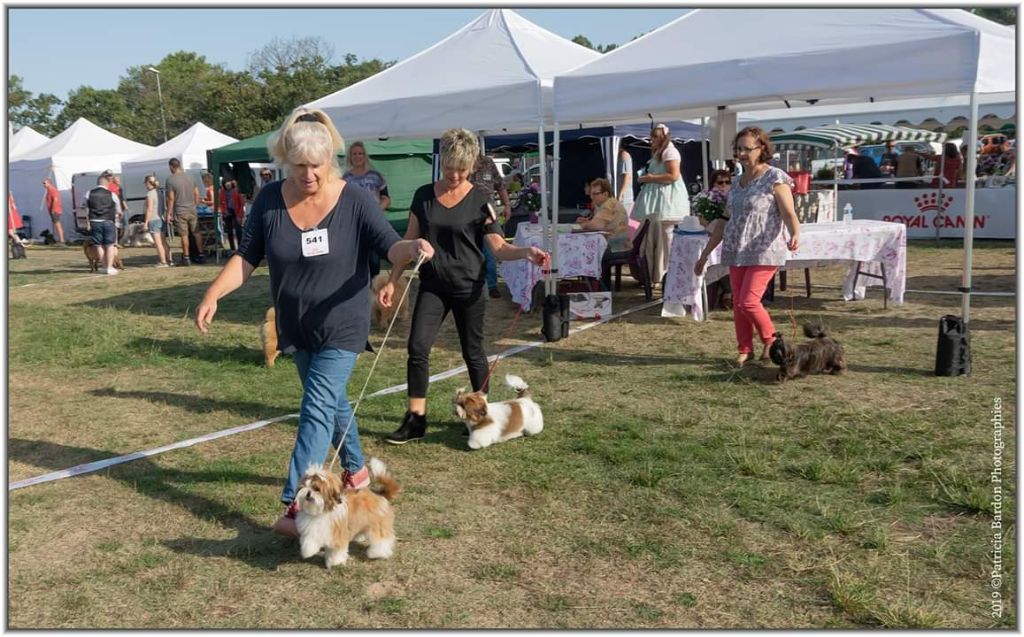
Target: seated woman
{"points": [[609, 216]]}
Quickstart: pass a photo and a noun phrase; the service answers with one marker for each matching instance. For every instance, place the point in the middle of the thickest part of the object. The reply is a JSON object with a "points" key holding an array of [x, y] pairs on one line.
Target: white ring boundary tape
{"points": [[91, 467]]}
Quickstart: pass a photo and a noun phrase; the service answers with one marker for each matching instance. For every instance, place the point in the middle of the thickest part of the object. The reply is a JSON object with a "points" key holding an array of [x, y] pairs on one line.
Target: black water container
{"points": [[556, 317], [953, 352]]}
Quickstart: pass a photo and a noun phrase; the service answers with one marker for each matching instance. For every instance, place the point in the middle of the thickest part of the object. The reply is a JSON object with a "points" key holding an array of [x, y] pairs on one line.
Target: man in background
{"points": [[104, 212], [909, 164], [182, 199], [887, 162], [487, 178], [55, 209]]}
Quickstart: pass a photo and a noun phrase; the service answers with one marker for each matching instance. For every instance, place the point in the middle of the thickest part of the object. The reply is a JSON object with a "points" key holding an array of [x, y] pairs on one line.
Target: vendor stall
{"points": [[836, 139]]}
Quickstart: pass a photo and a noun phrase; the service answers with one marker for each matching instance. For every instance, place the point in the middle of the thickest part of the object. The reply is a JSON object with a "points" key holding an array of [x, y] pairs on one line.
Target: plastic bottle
{"points": [[848, 213]]}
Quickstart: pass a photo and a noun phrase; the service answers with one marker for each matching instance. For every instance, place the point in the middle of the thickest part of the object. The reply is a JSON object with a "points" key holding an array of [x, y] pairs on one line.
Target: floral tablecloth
{"points": [[579, 254], [873, 243]]}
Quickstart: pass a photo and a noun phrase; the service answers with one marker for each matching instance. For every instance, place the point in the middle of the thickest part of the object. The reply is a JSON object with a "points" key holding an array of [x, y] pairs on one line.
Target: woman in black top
{"points": [[456, 219], [316, 233]]}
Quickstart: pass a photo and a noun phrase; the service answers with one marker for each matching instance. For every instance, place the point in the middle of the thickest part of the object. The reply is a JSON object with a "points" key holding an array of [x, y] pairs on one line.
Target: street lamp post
{"points": [[160, 95]]}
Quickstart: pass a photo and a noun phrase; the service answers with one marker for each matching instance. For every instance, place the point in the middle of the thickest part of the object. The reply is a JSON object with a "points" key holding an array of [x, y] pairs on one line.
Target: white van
{"points": [[504, 165]]}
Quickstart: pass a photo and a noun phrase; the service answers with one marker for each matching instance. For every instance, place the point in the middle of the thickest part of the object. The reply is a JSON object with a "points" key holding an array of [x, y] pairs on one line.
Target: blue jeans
{"points": [[491, 276], [324, 413]]}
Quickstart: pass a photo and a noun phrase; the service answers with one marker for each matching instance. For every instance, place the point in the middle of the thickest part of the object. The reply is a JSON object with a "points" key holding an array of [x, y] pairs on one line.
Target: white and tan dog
{"points": [[489, 423], [330, 516]]}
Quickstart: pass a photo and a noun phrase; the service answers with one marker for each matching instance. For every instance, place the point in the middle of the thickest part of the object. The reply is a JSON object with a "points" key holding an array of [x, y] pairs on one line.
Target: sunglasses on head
{"points": [[308, 117]]}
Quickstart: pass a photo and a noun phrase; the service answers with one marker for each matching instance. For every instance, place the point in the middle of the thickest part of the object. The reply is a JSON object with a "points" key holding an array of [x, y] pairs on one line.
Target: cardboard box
{"points": [[590, 306]]}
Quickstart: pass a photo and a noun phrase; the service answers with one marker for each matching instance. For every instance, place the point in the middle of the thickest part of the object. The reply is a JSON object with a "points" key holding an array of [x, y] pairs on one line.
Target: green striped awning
{"points": [[846, 135]]}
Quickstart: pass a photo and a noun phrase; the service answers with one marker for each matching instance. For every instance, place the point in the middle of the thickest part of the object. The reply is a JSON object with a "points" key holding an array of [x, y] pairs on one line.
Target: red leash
{"points": [[508, 332]]}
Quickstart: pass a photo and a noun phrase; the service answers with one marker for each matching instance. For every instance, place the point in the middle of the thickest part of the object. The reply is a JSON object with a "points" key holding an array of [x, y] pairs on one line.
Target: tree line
{"points": [[278, 77]]}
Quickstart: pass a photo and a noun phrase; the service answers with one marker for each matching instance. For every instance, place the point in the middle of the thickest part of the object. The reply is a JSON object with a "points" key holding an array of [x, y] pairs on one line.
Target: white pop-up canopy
{"points": [[748, 59], [927, 112], [494, 74], [83, 147], [189, 147], [25, 140], [702, 60]]}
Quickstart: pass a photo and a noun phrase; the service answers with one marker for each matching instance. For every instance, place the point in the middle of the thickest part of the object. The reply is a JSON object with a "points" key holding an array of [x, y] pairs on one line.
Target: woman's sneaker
{"points": [[413, 427], [285, 524], [358, 480]]}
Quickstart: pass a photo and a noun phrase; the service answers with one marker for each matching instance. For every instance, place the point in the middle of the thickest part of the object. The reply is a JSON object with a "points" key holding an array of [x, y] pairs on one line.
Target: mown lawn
{"points": [[668, 490]]}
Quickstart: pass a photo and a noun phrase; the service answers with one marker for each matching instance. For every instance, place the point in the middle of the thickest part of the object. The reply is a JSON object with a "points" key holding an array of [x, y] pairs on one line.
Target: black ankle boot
{"points": [[413, 427]]}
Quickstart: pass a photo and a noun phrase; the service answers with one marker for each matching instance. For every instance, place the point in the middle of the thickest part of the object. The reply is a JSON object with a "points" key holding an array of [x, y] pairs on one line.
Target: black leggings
{"points": [[432, 306], [232, 230]]}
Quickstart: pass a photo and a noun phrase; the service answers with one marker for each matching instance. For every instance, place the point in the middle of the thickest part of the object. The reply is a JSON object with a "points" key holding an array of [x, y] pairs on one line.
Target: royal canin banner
{"points": [[995, 210]]}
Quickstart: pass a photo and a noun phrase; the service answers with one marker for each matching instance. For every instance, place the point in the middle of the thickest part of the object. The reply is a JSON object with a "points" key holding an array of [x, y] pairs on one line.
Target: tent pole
{"points": [[550, 240], [704, 150], [938, 211], [835, 178], [972, 166]]}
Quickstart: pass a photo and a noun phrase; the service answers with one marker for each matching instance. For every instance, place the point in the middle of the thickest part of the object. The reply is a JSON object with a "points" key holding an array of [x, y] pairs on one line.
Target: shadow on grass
{"points": [[254, 544], [82, 270], [197, 350], [542, 356], [197, 404], [246, 305]]}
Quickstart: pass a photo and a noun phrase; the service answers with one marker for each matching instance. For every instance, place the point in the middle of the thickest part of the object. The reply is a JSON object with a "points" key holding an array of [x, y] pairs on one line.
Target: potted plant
{"points": [[709, 205]]}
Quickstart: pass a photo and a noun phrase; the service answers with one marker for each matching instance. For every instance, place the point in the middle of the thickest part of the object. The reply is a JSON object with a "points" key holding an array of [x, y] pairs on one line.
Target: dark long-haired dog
{"points": [[820, 355]]}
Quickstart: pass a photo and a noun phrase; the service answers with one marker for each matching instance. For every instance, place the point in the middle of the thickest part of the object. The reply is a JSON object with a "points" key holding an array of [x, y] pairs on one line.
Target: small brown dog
{"points": [[820, 355], [94, 262], [268, 336], [381, 316]]}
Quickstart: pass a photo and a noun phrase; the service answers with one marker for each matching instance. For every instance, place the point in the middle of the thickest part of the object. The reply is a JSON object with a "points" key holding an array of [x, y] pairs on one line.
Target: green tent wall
{"points": [[406, 165]]}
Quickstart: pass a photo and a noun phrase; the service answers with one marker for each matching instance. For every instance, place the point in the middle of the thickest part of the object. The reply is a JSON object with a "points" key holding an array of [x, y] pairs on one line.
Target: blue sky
{"points": [[94, 46]]}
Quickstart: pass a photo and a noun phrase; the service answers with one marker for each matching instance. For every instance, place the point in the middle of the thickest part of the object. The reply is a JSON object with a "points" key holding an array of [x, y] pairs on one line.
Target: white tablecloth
{"points": [[873, 243], [579, 254]]}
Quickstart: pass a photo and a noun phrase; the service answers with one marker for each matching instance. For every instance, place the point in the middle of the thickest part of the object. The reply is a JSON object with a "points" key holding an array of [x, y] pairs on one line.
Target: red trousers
{"points": [[748, 285]]}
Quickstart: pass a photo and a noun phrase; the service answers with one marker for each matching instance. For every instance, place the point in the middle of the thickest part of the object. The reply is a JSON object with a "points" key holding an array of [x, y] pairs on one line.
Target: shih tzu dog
{"points": [[268, 337], [819, 355], [380, 315], [489, 423], [330, 516]]}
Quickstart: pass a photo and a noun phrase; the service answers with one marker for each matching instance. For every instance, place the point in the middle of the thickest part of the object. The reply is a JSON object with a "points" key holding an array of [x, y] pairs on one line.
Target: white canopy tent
{"points": [[25, 140], [493, 75], [189, 147], [929, 113], [83, 147], [806, 56]]}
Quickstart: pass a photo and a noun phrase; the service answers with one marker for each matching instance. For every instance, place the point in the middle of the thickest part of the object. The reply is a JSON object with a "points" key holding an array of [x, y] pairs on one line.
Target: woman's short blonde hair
{"points": [[151, 180], [459, 149], [307, 137]]}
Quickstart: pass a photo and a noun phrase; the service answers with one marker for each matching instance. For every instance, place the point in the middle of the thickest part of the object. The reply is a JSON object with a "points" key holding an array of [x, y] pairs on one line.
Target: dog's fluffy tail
{"points": [[268, 336], [815, 330], [379, 473], [518, 385]]}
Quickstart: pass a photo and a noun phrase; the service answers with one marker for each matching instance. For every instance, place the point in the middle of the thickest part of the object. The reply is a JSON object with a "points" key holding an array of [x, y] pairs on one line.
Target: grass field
{"points": [[668, 489]]}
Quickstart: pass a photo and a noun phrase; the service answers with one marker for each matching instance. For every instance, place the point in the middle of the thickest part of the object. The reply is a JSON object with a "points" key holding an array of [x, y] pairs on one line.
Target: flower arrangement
{"points": [[531, 197], [709, 205]]}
